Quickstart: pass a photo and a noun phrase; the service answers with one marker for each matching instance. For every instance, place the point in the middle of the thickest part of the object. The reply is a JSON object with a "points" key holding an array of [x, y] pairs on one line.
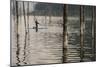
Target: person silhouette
{"points": [[36, 23]]}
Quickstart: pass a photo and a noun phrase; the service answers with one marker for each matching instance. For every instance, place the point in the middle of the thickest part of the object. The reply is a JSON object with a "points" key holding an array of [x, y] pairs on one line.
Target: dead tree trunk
{"points": [[28, 22], [93, 34], [64, 33], [25, 33], [81, 32], [17, 24]]}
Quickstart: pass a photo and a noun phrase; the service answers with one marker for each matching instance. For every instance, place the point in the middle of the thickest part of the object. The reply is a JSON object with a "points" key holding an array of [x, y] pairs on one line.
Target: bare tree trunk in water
{"points": [[25, 33], [81, 32], [28, 24], [17, 24], [65, 34], [93, 34]]}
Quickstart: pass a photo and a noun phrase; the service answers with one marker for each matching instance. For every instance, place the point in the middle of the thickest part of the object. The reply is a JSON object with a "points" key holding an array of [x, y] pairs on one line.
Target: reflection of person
{"points": [[36, 23]]}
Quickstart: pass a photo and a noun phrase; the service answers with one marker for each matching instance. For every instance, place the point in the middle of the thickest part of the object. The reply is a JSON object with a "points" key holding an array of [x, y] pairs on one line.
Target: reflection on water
{"points": [[45, 46]]}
